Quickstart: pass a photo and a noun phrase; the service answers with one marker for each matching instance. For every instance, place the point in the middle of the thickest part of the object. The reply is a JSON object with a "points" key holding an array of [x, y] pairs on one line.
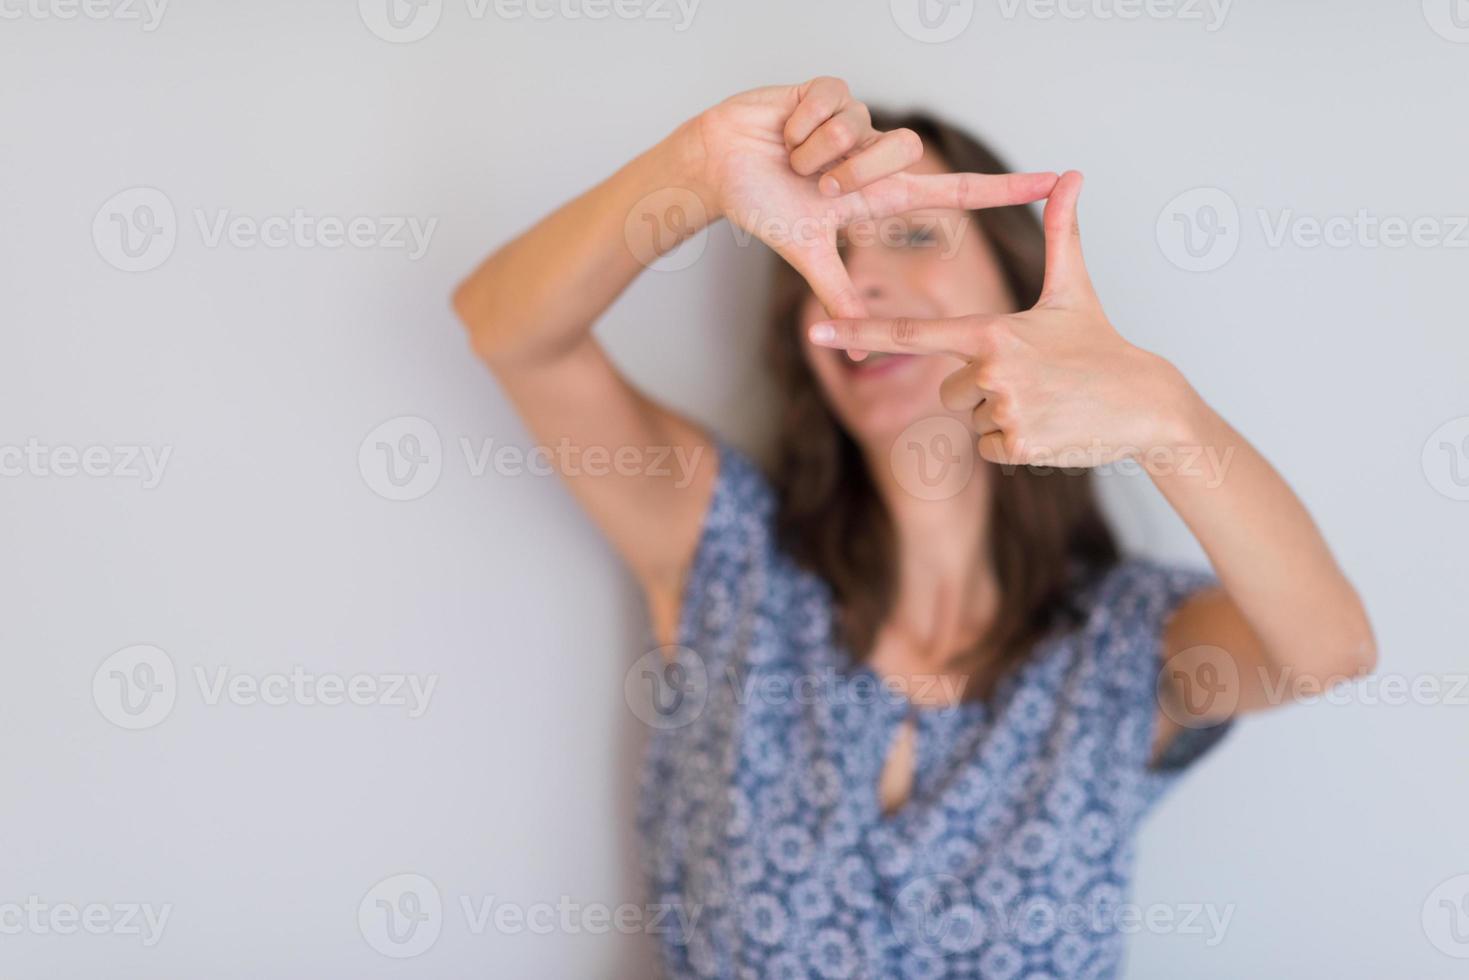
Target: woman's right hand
{"points": [[794, 164]]}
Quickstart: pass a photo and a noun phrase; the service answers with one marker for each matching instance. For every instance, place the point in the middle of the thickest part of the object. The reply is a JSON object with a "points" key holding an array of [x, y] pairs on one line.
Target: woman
{"points": [[987, 713]]}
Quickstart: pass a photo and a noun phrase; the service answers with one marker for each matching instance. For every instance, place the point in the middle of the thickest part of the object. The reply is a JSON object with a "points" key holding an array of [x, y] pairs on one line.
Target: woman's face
{"points": [[925, 264]]}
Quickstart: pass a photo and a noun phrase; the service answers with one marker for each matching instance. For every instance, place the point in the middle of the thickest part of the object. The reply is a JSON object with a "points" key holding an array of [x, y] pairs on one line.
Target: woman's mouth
{"points": [[875, 364]]}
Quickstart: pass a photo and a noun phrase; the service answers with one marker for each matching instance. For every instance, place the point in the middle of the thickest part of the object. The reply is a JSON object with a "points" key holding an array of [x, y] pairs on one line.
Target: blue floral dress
{"points": [[759, 814]]}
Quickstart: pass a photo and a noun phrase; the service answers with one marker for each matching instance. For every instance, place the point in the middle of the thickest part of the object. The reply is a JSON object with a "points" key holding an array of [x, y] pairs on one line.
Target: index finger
{"points": [[903, 335], [904, 192]]}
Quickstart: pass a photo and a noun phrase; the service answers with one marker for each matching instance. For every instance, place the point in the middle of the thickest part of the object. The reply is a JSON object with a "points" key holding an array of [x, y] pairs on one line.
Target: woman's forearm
{"points": [[538, 296], [1269, 556]]}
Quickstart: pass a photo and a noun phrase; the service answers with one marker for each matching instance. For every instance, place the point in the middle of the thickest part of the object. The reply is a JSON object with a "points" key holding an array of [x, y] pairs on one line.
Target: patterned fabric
{"points": [[759, 813]]}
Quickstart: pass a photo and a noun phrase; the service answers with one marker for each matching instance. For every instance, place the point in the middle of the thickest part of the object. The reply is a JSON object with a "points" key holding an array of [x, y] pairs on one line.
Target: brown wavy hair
{"points": [[1047, 533]]}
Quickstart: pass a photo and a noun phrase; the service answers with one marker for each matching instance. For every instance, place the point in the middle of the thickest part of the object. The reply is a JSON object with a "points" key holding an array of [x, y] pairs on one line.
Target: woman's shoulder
{"points": [[738, 526], [1122, 610], [742, 580], [741, 515], [740, 484], [1136, 584]]}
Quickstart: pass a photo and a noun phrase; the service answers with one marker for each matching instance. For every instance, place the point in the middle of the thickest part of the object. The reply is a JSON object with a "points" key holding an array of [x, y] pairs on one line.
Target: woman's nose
{"points": [[868, 277]]}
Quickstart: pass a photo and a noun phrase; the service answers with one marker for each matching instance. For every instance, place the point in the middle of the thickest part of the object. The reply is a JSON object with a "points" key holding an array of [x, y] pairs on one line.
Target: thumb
{"points": [[1066, 274], [822, 268]]}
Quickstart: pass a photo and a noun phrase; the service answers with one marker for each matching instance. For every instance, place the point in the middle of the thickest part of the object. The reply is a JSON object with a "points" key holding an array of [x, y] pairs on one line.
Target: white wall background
{"points": [[261, 370]]}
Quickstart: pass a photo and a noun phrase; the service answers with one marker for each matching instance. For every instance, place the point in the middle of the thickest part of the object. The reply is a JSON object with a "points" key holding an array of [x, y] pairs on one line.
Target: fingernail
{"points": [[823, 333], [828, 185]]}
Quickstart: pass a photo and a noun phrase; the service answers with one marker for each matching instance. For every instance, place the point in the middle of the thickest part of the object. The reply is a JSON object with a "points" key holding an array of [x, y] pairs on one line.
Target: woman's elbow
{"points": [[474, 315], [1352, 650], [467, 307], [1364, 651]]}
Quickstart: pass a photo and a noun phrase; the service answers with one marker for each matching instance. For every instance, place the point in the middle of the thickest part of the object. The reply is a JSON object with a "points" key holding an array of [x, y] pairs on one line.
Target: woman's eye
{"points": [[919, 237]]}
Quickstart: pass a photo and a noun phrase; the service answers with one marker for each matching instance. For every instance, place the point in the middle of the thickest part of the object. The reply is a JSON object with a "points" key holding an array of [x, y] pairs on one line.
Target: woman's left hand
{"points": [[1055, 385]]}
